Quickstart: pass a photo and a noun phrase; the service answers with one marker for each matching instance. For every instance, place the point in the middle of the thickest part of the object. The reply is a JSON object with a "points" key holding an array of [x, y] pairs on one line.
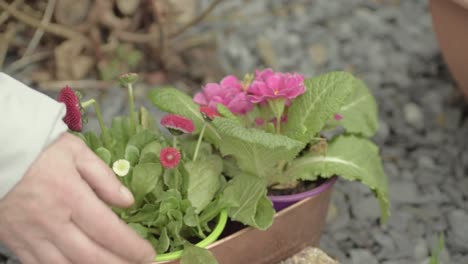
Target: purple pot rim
{"points": [[300, 196]]}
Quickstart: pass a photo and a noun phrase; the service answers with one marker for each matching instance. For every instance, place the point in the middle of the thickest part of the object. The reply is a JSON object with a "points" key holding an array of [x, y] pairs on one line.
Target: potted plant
{"points": [[176, 180], [235, 149], [280, 134], [271, 135]]}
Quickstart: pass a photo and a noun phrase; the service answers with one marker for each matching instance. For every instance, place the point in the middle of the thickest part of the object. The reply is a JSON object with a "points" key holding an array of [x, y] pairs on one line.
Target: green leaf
{"points": [[359, 112], [351, 158], [152, 147], [149, 157], [142, 138], [104, 154], [323, 98], [139, 229], [174, 101], [203, 181], [226, 113], [189, 146], [144, 180], [147, 120], [256, 151], [190, 217], [147, 213], [197, 255], [435, 253], [120, 131], [132, 154], [164, 242], [250, 205], [174, 228], [93, 141]]}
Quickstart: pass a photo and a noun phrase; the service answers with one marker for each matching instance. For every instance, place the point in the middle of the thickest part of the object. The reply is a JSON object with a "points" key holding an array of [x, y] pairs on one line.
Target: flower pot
{"points": [[282, 201], [294, 228], [173, 256], [450, 20]]}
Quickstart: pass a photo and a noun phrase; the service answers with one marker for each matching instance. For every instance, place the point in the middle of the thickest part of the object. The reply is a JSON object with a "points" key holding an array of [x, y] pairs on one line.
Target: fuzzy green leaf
{"points": [[196, 255], [256, 151], [104, 154], [226, 113], [147, 120], [203, 181], [93, 141], [359, 112], [139, 229], [163, 242], [323, 98], [132, 154], [247, 195], [351, 158], [120, 131], [142, 138], [174, 101], [144, 179]]}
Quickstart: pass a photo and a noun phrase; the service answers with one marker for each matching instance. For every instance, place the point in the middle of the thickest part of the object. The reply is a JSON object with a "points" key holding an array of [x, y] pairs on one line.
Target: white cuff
{"points": [[30, 121]]}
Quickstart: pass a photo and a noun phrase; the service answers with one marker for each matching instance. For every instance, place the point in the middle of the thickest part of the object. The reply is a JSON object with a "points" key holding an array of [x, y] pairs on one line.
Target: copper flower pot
{"points": [[294, 228], [450, 22]]}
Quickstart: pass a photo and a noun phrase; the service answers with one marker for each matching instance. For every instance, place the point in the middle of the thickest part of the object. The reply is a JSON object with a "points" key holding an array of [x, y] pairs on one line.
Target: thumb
{"points": [[101, 179]]}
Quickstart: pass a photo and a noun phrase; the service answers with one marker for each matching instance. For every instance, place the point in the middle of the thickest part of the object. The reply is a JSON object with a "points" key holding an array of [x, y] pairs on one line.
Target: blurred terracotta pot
{"points": [[450, 22], [294, 228]]}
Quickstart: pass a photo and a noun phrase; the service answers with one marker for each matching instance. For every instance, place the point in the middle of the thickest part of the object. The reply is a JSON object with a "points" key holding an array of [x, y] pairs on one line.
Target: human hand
{"points": [[55, 214]]}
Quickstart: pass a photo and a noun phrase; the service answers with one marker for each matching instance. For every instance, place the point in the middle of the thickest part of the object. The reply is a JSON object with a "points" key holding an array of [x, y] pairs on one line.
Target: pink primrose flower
{"points": [[273, 85], [228, 93]]}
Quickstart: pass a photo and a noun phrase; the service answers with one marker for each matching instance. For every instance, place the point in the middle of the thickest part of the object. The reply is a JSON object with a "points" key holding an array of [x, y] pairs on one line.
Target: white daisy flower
{"points": [[121, 167]]}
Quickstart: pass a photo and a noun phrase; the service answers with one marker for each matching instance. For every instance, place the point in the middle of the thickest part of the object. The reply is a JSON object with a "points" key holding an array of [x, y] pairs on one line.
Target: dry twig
{"points": [[53, 28], [39, 32], [5, 42], [25, 61], [76, 84], [196, 20], [4, 16]]}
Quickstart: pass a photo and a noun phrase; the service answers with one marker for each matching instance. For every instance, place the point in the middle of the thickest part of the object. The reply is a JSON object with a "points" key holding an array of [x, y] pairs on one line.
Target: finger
{"points": [[102, 225], [79, 248], [46, 252], [101, 179], [25, 257]]}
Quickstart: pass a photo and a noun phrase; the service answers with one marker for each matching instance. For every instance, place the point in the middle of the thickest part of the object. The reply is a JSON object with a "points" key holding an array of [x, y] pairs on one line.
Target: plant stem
{"points": [[174, 141], [131, 107], [200, 137], [97, 109], [278, 125]]}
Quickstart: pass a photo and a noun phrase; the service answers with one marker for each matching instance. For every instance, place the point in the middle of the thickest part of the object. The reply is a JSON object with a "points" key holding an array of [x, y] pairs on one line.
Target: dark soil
{"points": [[303, 186]]}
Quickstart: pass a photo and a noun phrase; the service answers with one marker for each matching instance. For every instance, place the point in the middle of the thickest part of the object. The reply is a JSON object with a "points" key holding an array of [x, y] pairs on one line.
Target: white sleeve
{"points": [[30, 121]]}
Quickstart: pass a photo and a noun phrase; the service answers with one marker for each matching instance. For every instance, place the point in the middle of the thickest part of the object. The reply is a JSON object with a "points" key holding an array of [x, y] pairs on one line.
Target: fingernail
{"points": [[126, 194]]}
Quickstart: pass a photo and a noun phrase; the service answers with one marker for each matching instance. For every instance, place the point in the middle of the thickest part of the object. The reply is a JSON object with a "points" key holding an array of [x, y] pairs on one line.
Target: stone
{"points": [[458, 220], [310, 255], [420, 250], [267, 52], [413, 115], [367, 209], [360, 256], [404, 192], [318, 54]]}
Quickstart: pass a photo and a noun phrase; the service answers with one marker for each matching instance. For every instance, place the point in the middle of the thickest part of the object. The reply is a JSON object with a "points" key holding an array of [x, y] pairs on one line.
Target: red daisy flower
{"points": [[169, 157], [338, 117], [208, 113], [73, 117], [178, 124]]}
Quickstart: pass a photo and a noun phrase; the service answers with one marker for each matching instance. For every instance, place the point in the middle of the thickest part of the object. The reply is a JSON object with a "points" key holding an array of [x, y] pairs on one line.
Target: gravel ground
{"points": [[390, 44]]}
